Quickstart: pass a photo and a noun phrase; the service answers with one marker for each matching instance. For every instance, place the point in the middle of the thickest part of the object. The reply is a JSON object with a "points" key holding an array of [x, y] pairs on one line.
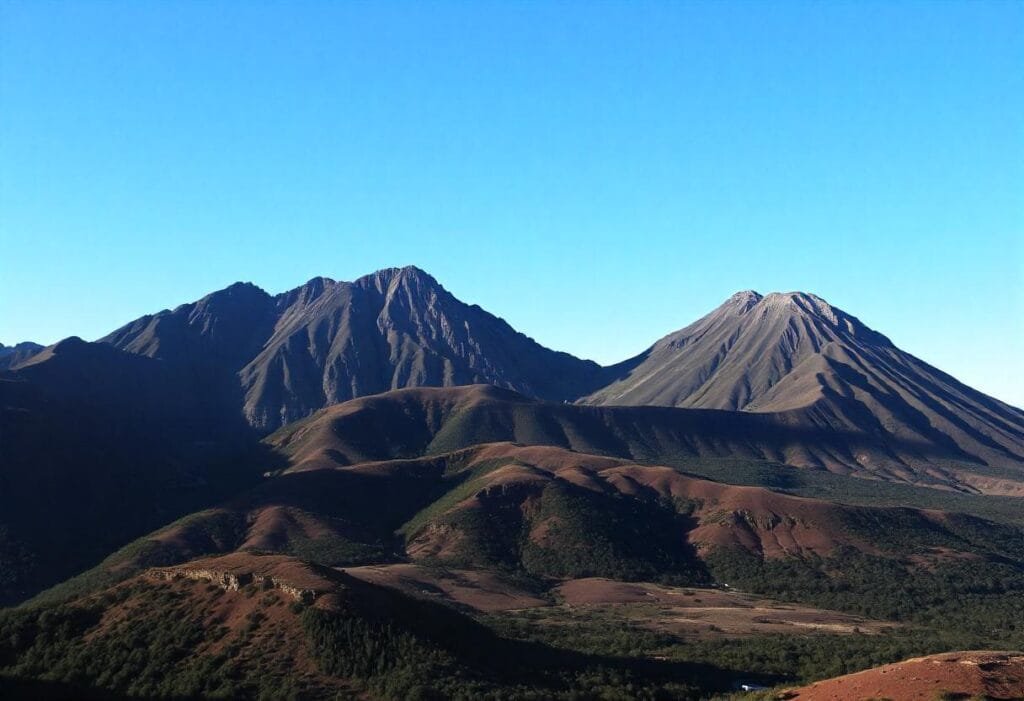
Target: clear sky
{"points": [[598, 174]]}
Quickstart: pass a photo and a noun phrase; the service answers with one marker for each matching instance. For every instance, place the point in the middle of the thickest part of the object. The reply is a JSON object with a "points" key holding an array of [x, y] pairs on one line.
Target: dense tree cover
{"points": [[561, 530], [821, 484], [150, 654], [398, 663], [610, 535], [763, 658], [379, 643], [969, 596]]}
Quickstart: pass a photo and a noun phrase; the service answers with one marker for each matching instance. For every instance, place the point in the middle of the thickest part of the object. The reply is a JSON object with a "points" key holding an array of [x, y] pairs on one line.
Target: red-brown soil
{"points": [[954, 675], [691, 612]]}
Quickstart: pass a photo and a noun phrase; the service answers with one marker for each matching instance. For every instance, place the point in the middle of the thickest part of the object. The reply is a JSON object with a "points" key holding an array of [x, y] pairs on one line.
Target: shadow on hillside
{"points": [[15, 689]]}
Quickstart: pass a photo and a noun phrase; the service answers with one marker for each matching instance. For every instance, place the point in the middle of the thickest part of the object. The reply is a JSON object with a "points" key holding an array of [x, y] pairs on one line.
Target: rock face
{"points": [[239, 570], [329, 341], [817, 369]]}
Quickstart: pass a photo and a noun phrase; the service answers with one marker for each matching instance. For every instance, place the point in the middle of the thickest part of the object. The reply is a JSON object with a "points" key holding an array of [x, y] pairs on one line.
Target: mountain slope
{"points": [[98, 446], [18, 353], [797, 355], [408, 423], [328, 341], [548, 514], [813, 367]]}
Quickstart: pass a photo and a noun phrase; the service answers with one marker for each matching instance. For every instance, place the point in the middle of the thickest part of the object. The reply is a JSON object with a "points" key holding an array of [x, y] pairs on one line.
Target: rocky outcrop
{"points": [[234, 581]]}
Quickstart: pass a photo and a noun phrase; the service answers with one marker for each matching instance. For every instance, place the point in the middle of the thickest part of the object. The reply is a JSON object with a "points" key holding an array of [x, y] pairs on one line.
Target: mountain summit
{"points": [[811, 365], [328, 341], [795, 355], [155, 420], [732, 357]]}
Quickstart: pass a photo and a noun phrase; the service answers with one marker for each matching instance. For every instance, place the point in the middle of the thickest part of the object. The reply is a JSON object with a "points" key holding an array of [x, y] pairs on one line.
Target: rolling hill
{"points": [[552, 513], [267, 626], [413, 422]]}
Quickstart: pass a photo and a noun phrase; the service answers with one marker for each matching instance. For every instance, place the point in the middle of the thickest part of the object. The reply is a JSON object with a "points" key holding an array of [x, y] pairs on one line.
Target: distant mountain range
{"points": [[785, 378], [279, 358]]}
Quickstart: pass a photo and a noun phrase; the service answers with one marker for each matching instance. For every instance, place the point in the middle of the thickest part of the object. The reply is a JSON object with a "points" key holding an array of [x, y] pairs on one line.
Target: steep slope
{"points": [[328, 341], [813, 367], [797, 355], [97, 447]]}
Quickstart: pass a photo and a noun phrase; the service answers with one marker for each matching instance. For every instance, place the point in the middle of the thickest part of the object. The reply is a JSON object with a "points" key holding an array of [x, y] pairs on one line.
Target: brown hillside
{"points": [[954, 675], [413, 422]]}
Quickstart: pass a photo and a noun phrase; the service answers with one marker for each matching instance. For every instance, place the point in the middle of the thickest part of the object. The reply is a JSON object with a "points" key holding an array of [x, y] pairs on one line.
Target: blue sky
{"points": [[598, 174]]}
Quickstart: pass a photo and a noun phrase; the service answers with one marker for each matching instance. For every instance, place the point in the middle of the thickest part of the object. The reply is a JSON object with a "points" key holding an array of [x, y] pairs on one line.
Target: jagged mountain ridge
{"points": [[18, 353], [282, 357], [328, 341]]}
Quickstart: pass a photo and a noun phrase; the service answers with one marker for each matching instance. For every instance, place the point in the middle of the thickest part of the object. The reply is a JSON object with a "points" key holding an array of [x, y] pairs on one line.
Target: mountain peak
{"points": [[808, 305], [743, 300], [802, 302], [386, 278]]}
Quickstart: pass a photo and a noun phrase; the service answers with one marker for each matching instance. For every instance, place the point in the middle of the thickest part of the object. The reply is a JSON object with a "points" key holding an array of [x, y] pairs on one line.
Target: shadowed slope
{"points": [[97, 447], [406, 423]]}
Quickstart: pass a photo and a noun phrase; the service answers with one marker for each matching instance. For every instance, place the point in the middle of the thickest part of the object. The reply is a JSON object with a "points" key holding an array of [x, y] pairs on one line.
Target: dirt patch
{"points": [[706, 613]]}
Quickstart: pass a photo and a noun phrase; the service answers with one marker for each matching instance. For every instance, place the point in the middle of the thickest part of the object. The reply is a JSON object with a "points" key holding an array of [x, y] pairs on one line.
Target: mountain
{"points": [[430, 420], [98, 446], [404, 476], [813, 368], [299, 461], [794, 354], [18, 353], [528, 523], [163, 416], [328, 341]]}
